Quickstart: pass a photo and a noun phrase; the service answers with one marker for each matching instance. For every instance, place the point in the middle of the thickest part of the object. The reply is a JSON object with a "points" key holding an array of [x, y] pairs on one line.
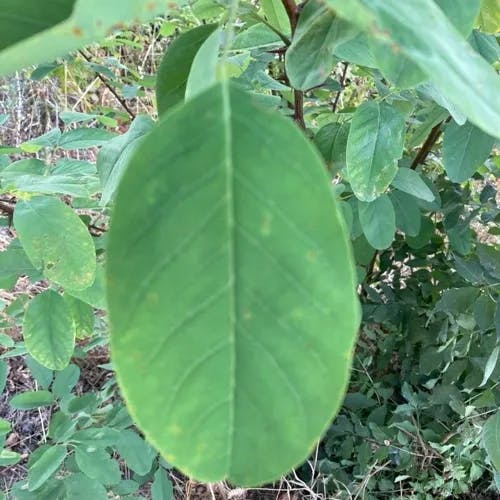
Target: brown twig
{"points": [[342, 87], [109, 87], [429, 143], [293, 14]]}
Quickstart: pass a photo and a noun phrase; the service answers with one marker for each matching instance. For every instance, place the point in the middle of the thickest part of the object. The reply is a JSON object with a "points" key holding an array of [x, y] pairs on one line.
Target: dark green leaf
{"points": [[176, 65], [465, 149], [375, 143]]}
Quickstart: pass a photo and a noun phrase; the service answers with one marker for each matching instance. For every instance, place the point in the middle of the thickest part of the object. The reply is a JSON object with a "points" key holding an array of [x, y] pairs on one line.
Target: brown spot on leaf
{"points": [[77, 31]]}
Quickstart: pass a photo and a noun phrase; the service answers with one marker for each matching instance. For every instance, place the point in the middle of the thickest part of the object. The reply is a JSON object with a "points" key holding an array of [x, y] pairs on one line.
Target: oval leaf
{"points": [[56, 241], [32, 399], [234, 285], [375, 143], [411, 182], [378, 221], [49, 331], [465, 149]]}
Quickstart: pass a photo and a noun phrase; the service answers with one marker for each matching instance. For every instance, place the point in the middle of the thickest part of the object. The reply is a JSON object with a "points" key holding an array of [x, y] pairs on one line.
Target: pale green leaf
{"points": [[56, 241], [378, 221], [32, 399], [220, 305], [45, 466], [48, 330], [276, 15], [114, 156], [203, 72]]}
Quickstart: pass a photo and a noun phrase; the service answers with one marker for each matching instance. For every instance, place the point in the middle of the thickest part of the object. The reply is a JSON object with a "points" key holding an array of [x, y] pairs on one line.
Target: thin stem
{"points": [[342, 87], [283, 37], [293, 15], [109, 87], [429, 143]]}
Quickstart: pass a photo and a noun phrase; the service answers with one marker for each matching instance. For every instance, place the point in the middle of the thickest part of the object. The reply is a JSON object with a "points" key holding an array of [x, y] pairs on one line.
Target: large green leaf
{"points": [[113, 157], [56, 241], [465, 149], [309, 59], [378, 221], [239, 295], [408, 218], [375, 143], [427, 36], [48, 330], [175, 67], [491, 439], [33, 32]]}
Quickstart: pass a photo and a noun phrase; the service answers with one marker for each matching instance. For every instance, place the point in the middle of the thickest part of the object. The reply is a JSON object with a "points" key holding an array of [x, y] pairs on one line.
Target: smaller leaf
{"points": [[162, 488], [375, 143], [491, 439], [8, 458], [45, 466], [98, 465], [136, 452], [83, 138], [65, 381], [4, 370], [41, 374], [490, 366], [411, 182], [465, 149], [81, 487], [32, 399], [378, 221], [457, 300], [203, 72], [49, 331]]}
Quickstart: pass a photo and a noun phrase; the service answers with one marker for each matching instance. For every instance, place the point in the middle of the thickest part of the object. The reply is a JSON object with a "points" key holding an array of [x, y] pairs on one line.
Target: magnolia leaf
{"points": [[220, 305]]}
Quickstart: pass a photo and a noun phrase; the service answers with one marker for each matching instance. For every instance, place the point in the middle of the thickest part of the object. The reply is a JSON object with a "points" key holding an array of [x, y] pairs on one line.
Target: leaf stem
{"points": [[293, 15], [429, 143], [109, 87]]}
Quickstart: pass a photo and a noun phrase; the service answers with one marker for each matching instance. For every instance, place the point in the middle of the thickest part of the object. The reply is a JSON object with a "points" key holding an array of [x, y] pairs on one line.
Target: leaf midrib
{"points": [[229, 170]]}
